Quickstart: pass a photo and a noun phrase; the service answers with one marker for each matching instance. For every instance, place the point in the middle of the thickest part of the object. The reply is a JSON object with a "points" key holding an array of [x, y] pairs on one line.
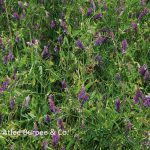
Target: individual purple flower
{"points": [[52, 106], [1, 2], [45, 145], [117, 103], [35, 130], [142, 2], [79, 44], [139, 95], [53, 24], [134, 26], [60, 39], [64, 84], [16, 16], [27, 101], [98, 16], [143, 13], [143, 69], [47, 119], [90, 11], [64, 26], [146, 102], [0, 118], [105, 8], [55, 138], [129, 125], [83, 95], [146, 75], [118, 77], [5, 84], [17, 39], [45, 52], [99, 41], [3, 47], [56, 48], [93, 4], [124, 46], [12, 103], [60, 124]]}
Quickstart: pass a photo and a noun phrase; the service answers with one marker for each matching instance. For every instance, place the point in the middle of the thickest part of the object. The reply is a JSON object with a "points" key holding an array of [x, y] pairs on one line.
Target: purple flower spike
{"points": [[98, 16], [60, 124], [99, 41], [118, 77], [143, 13], [124, 46], [16, 16], [60, 39], [1, 2], [93, 4], [142, 2], [139, 95], [12, 103], [83, 95], [134, 26], [147, 102], [45, 145], [146, 75], [117, 103], [90, 11], [47, 119], [56, 48], [45, 52], [55, 138], [143, 69], [129, 126], [17, 39], [79, 44], [5, 84], [53, 24], [10, 55]]}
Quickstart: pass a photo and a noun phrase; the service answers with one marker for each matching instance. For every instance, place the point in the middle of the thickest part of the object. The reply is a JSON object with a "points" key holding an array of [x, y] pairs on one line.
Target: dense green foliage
{"points": [[51, 49]]}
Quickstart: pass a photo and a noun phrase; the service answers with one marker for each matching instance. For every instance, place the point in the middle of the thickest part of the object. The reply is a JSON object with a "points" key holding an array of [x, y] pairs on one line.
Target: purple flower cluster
{"points": [[143, 70], [4, 86], [47, 119], [99, 41], [55, 138], [60, 124], [45, 52], [52, 106], [79, 44], [143, 13], [83, 95], [117, 104], [124, 46], [138, 96], [12, 103], [8, 57]]}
